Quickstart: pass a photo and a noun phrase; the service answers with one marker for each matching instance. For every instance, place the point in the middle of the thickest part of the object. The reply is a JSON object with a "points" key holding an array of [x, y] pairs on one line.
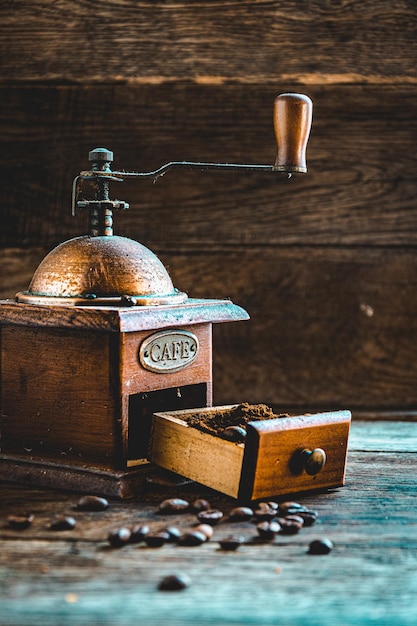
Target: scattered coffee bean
{"points": [[156, 540], [174, 505], [234, 433], [119, 537], [265, 514], [63, 523], [289, 526], [273, 505], [309, 516], [200, 505], [138, 533], [240, 514], [295, 518], [192, 538], [211, 516], [231, 543], [92, 503], [173, 533], [265, 505], [320, 546], [289, 508], [268, 529], [294, 508], [206, 529], [20, 522], [175, 582]]}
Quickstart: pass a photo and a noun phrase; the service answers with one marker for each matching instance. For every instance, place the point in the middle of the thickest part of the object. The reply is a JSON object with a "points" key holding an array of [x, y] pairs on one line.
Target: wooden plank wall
{"points": [[325, 263]]}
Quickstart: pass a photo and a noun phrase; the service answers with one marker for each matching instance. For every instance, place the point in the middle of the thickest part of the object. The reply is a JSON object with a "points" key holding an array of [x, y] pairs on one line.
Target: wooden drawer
{"points": [[276, 458]]}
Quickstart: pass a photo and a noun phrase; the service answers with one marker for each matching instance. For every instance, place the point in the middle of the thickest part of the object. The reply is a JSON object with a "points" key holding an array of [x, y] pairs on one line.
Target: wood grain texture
{"points": [[262, 467], [75, 578], [159, 81], [270, 451], [329, 328], [160, 41], [359, 190], [209, 460], [119, 319], [59, 395], [135, 378]]}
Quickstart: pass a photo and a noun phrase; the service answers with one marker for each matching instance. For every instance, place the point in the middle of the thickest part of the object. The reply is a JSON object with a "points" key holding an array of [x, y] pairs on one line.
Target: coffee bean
{"points": [[240, 514], [200, 505], [174, 505], [20, 522], [267, 505], [295, 518], [234, 433], [320, 546], [294, 508], [212, 516], [92, 503], [268, 530], [231, 543], [264, 505], [119, 537], [173, 533], [265, 514], [156, 540], [138, 533], [63, 523], [192, 538], [309, 516], [175, 582], [206, 529], [289, 508], [289, 526]]}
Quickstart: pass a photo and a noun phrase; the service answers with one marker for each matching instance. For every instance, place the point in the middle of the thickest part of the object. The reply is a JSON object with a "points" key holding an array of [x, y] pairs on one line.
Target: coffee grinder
{"points": [[101, 340]]}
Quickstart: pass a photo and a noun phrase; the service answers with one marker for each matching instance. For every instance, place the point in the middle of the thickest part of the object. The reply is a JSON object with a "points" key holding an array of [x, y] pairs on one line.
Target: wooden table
{"points": [[370, 577]]}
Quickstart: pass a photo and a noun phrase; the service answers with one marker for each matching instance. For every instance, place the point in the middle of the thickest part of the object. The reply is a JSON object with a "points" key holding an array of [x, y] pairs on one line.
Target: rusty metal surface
{"points": [[96, 269]]}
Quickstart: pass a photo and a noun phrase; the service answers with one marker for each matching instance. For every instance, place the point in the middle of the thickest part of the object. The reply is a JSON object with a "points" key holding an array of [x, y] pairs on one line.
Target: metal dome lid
{"points": [[101, 268]]}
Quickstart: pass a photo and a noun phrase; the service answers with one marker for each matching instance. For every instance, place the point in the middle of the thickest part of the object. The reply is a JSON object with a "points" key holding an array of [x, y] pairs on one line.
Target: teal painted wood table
{"points": [[370, 576]]}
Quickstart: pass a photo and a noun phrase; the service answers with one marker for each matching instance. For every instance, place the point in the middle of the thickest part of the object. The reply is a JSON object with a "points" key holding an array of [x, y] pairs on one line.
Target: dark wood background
{"points": [[325, 263]]}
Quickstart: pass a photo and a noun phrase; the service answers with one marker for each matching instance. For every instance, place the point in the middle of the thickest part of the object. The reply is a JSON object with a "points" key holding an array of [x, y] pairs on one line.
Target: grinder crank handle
{"points": [[293, 113], [292, 123]]}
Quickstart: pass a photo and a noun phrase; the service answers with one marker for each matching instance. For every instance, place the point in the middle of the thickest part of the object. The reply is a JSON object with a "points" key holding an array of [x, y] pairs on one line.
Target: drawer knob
{"points": [[313, 460]]}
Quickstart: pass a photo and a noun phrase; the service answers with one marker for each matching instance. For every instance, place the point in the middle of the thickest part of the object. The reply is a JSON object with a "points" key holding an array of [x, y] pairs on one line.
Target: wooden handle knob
{"points": [[309, 461], [292, 122], [313, 460]]}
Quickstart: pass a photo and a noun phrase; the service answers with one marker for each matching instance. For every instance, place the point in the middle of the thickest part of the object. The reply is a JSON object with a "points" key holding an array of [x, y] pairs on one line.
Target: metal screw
{"points": [[100, 154], [127, 300]]}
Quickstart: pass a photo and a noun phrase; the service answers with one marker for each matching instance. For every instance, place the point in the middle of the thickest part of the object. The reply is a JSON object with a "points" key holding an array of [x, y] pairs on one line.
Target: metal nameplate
{"points": [[168, 351]]}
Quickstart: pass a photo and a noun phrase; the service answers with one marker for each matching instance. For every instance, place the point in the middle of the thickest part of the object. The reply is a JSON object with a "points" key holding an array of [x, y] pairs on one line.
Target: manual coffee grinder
{"points": [[102, 340]]}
